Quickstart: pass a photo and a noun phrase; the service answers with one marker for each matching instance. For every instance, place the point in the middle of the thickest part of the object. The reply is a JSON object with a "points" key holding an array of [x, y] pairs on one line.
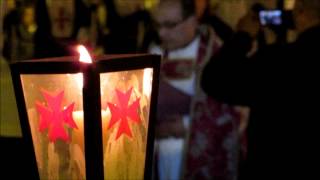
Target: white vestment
{"points": [[170, 150]]}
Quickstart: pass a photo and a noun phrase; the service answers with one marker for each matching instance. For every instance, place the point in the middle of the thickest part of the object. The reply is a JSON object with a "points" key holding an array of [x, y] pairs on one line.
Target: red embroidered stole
{"points": [[208, 156], [178, 69], [173, 70]]}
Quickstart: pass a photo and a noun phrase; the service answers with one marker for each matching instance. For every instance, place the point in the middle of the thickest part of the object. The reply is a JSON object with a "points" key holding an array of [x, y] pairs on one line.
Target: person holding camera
{"points": [[280, 85]]}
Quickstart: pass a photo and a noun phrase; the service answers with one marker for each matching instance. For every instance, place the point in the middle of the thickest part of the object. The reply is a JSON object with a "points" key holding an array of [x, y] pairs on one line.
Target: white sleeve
{"points": [[154, 49]]}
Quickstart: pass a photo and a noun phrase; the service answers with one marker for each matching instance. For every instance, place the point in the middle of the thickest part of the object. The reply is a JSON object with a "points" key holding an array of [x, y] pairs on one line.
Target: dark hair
{"points": [[188, 8], [257, 7]]}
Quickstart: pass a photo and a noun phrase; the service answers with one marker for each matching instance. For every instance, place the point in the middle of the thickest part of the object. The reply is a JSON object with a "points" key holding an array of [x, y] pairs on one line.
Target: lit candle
{"points": [[78, 134], [92, 114], [88, 119]]}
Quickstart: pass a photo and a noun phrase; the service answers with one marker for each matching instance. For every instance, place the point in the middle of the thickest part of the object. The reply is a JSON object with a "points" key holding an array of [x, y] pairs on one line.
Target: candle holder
{"points": [[88, 121]]}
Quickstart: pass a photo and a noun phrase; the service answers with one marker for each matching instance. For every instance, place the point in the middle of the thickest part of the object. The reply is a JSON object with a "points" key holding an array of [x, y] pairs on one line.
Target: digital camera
{"points": [[270, 17]]}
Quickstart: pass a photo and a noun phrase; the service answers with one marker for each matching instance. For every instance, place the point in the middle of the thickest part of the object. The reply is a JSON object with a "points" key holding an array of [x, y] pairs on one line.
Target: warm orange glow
{"points": [[84, 54], [147, 81], [84, 57], [79, 80]]}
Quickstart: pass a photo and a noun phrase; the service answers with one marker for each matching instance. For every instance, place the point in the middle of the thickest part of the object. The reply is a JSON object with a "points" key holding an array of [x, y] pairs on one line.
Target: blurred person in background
{"points": [[10, 23], [205, 13], [19, 41], [61, 24], [98, 27], [279, 85], [129, 27]]}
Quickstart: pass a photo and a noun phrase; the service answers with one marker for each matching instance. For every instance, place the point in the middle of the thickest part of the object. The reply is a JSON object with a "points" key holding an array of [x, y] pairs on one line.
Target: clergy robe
{"points": [[211, 146]]}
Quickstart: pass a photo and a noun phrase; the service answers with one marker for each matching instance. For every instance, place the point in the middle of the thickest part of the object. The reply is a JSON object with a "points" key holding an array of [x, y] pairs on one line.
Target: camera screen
{"points": [[270, 17]]}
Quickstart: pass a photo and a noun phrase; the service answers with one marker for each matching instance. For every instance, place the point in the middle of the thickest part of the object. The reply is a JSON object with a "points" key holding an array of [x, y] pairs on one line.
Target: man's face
{"points": [[174, 31]]}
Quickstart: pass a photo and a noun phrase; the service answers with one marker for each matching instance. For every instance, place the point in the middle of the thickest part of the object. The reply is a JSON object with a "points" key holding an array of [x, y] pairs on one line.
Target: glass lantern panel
{"points": [[125, 102], [55, 115]]}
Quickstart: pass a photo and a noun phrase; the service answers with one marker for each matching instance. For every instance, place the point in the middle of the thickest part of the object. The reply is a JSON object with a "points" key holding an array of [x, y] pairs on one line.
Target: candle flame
{"points": [[84, 54], [84, 57]]}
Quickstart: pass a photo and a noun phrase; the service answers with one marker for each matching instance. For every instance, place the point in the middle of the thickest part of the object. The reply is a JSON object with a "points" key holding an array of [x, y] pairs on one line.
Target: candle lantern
{"points": [[88, 120]]}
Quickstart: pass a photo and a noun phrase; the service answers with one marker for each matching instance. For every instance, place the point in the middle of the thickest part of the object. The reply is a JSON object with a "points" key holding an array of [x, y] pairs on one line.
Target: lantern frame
{"points": [[93, 142]]}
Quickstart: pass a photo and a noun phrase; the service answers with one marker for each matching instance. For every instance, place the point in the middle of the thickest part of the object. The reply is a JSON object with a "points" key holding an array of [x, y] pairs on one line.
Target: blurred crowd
{"points": [[222, 124], [45, 28]]}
